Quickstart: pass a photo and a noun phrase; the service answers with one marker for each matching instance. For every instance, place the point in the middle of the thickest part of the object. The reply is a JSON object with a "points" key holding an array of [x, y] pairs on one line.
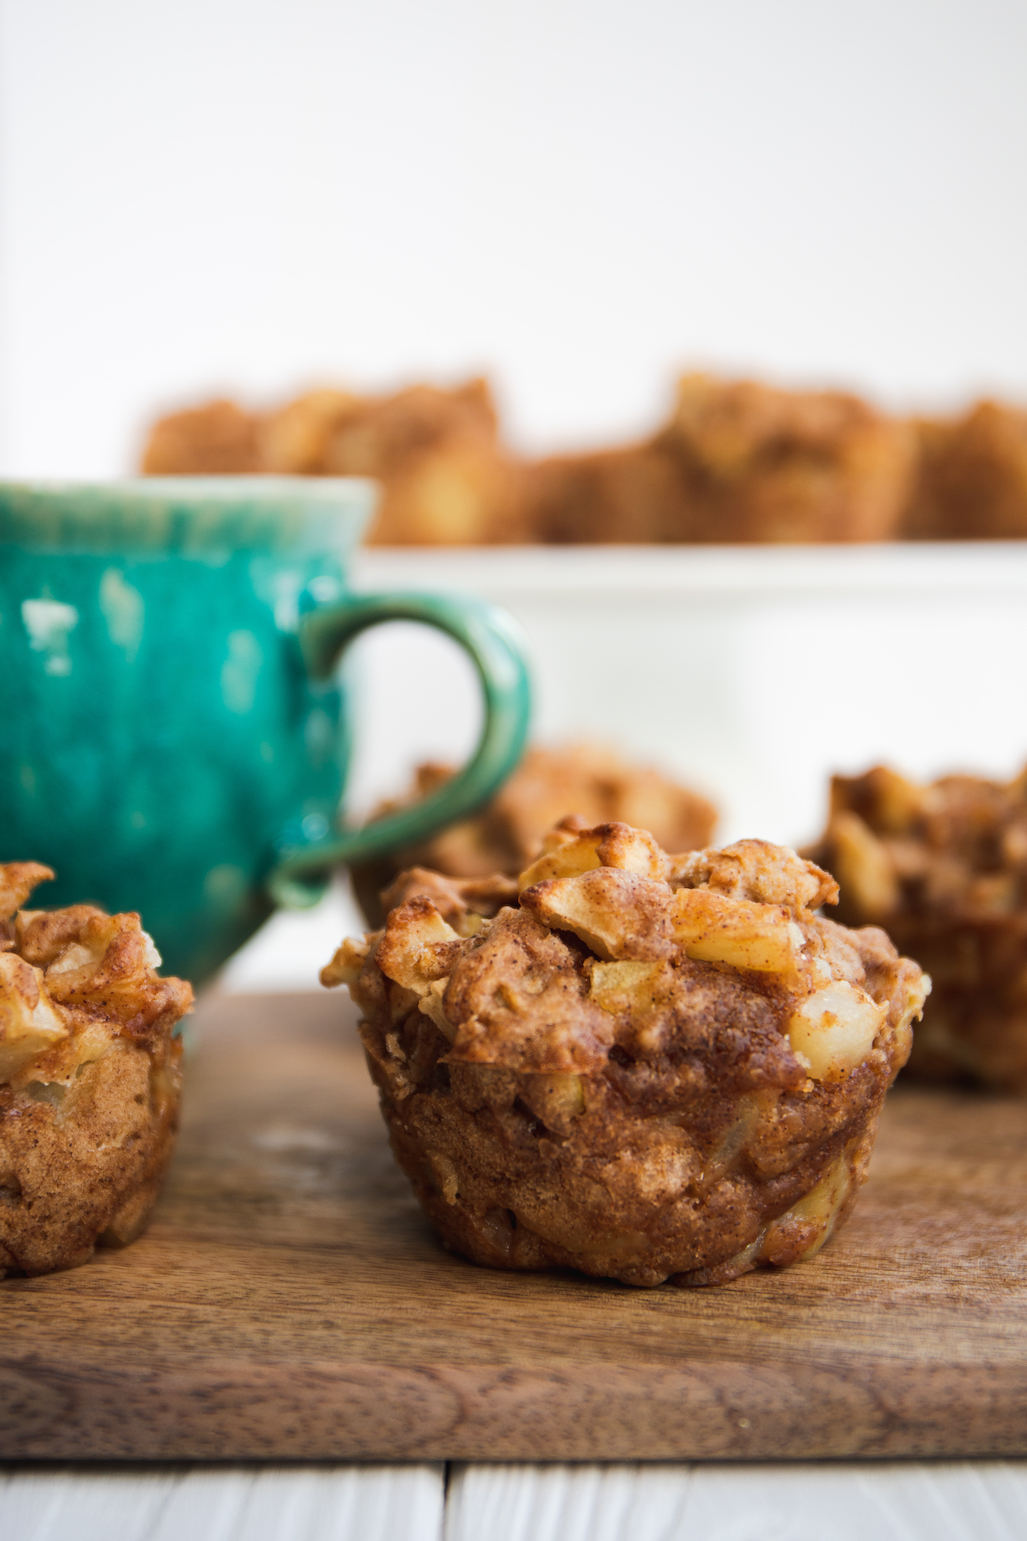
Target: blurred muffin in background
{"points": [[586, 782], [436, 453], [972, 477], [738, 461], [217, 439], [635, 494], [944, 868], [445, 478], [762, 464]]}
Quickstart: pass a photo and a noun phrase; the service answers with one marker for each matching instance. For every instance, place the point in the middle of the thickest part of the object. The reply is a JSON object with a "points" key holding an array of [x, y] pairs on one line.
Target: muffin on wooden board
{"points": [[645, 1068], [587, 782], [944, 867], [89, 1077]]}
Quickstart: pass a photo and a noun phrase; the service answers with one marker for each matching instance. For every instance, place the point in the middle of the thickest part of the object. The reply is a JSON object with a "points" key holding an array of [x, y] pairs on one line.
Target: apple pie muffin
{"points": [[762, 464], [645, 1067], [944, 867], [445, 477], [633, 494], [89, 1077], [971, 480]]}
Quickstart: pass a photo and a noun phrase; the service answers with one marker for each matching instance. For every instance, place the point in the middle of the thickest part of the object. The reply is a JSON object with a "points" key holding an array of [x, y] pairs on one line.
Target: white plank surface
{"points": [[345, 1503], [951, 1501], [574, 1503]]}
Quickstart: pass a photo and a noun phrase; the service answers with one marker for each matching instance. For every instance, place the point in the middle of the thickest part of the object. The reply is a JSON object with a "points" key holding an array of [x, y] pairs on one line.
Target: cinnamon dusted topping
{"points": [[757, 870], [17, 880]]}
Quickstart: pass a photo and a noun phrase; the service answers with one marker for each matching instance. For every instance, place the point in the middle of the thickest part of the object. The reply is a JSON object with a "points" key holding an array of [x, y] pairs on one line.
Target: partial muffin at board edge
{"points": [[642, 1067], [89, 1077], [944, 866]]}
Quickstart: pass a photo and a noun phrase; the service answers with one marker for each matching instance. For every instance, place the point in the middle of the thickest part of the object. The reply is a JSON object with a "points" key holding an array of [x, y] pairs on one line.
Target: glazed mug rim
{"points": [[187, 513]]}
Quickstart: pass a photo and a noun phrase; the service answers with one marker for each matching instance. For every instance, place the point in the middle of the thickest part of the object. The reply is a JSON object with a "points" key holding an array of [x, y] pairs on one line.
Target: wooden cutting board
{"points": [[289, 1301]]}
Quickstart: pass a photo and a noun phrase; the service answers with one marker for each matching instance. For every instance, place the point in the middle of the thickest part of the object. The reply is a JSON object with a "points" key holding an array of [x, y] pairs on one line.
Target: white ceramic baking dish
{"points": [[752, 672]]}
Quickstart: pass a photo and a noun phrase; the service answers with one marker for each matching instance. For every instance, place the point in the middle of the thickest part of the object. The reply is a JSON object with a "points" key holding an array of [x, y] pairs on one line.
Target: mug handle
{"points": [[496, 647]]}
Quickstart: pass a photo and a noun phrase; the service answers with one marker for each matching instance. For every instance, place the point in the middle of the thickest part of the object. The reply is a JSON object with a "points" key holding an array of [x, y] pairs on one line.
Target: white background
{"points": [[578, 197], [575, 195]]}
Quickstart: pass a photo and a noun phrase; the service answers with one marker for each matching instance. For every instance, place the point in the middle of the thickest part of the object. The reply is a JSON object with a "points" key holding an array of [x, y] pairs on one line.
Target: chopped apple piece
{"points": [[17, 880], [415, 949], [617, 914], [713, 928], [28, 1022], [566, 861], [834, 1029], [346, 963], [431, 1004], [74, 957], [608, 845], [556, 1099], [865, 869], [817, 1212]]}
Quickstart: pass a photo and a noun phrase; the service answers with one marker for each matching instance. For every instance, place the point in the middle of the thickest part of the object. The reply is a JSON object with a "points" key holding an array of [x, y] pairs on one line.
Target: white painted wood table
{"points": [[901, 1501], [857, 1501]]}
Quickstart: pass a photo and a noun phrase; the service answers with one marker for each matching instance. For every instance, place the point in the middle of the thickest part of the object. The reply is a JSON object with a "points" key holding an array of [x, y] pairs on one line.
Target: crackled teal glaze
{"points": [[174, 738]]}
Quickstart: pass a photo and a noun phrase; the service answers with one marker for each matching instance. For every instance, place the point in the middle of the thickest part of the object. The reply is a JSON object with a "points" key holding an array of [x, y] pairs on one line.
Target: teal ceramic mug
{"points": [[173, 727]]}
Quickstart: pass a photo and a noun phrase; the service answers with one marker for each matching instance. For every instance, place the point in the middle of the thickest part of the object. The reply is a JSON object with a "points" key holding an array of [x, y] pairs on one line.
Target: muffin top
{"points": [[615, 950], [71, 981]]}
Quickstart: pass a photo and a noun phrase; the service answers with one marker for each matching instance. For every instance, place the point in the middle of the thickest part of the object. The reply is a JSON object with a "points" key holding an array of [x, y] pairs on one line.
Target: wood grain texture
{"points": [[290, 1302]]}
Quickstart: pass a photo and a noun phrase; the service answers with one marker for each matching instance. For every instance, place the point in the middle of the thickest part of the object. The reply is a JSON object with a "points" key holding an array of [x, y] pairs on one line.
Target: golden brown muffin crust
{"points": [[632, 1071], [89, 1077]]}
